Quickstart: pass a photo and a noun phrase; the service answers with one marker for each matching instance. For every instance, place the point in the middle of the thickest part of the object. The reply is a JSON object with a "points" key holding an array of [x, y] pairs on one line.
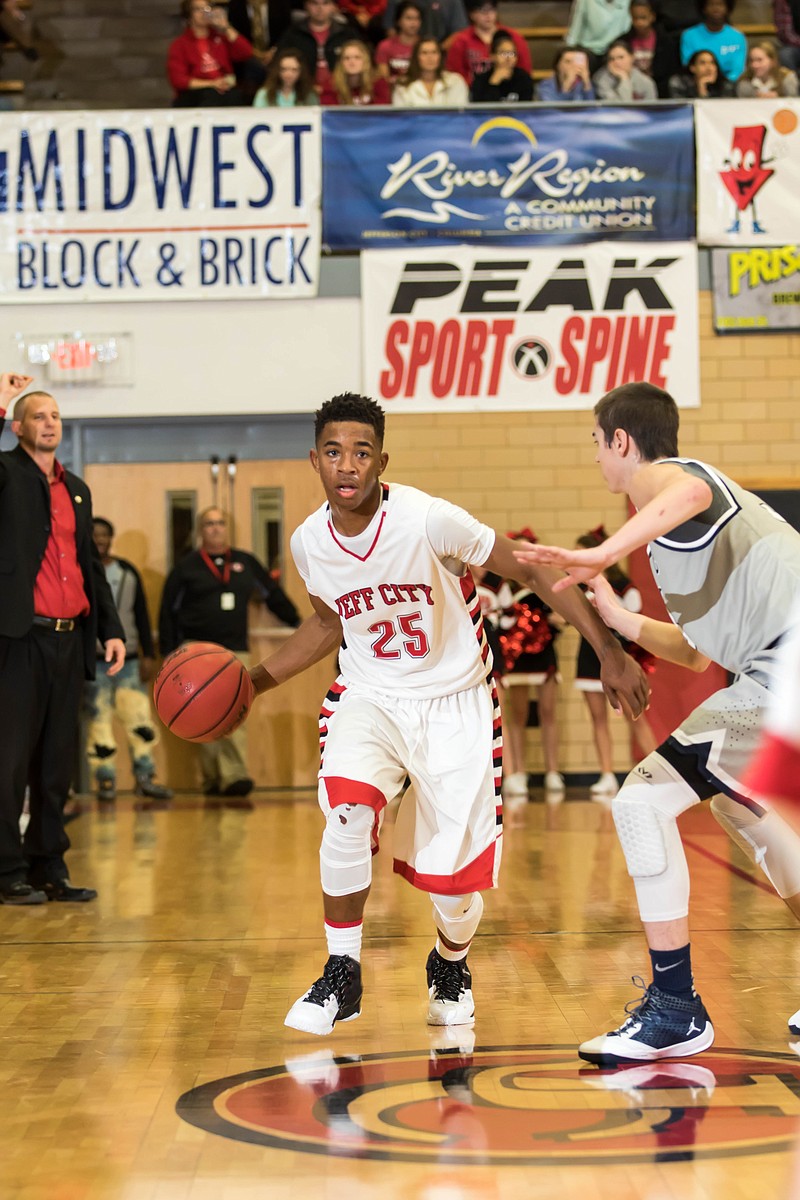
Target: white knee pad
{"points": [[458, 917], [345, 856], [645, 814], [766, 839]]}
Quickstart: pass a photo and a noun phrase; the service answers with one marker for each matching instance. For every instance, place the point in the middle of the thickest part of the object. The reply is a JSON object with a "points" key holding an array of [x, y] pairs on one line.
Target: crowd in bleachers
{"points": [[437, 53]]}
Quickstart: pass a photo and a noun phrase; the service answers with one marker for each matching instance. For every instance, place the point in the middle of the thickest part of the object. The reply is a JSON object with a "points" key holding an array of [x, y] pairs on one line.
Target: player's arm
{"points": [[623, 680], [668, 496], [661, 638], [318, 636]]}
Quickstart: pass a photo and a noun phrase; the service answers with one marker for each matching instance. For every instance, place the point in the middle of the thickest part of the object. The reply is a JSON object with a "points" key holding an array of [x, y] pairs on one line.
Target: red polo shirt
{"points": [[58, 590]]}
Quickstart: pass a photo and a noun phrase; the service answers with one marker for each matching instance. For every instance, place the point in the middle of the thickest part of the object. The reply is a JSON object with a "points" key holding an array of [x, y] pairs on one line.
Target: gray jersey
{"points": [[730, 576]]}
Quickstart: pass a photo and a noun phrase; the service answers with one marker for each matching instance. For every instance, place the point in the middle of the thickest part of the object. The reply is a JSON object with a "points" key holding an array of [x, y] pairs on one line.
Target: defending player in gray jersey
{"points": [[728, 568]]}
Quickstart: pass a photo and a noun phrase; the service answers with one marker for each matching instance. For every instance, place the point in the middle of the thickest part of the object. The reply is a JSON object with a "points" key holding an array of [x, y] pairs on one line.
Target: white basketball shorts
{"points": [[448, 836]]}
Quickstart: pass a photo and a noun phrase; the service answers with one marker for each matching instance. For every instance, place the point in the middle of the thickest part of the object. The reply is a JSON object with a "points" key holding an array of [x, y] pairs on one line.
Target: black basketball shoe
{"points": [[659, 1025], [336, 996], [449, 990]]}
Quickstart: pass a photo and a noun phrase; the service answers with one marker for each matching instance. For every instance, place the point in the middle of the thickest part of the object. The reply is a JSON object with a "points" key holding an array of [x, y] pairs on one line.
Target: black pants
{"points": [[41, 678]]}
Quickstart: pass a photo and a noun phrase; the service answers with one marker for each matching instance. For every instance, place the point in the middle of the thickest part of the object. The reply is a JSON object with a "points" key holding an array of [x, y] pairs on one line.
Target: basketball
{"points": [[202, 692]]}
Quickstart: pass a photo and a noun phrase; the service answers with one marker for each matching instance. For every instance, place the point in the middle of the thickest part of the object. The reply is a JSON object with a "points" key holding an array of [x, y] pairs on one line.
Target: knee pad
{"points": [[345, 855], [645, 814], [458, 917], [765, 838]]}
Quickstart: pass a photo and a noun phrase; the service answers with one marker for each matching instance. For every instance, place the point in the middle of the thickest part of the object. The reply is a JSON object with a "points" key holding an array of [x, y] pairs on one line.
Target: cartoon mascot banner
{"points": [[748, 172]]}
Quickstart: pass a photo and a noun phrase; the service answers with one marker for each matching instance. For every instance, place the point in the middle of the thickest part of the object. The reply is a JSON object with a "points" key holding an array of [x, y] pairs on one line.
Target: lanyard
{"points": [[225, 574]]}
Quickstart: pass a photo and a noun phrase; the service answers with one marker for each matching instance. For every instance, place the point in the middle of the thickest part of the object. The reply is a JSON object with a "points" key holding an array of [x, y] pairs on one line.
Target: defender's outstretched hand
{"points": [[580, 565]]}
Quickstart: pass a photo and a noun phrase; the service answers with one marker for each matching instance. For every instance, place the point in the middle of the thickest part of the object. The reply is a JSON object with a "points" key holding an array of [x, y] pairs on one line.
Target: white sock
{"points": [[345, 938], [451, 955]]}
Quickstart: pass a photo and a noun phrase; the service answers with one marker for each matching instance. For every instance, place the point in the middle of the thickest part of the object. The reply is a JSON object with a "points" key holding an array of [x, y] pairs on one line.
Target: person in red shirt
{"points": [[355, 79], [200, 63], [56, 604], [393, 54], [470, 51]]}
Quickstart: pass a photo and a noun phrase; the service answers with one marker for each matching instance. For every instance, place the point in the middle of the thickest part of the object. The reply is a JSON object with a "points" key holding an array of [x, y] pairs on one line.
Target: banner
{"points": [[757, 289], [460, 329], [748, 172], [167, 205], [542, 176]]}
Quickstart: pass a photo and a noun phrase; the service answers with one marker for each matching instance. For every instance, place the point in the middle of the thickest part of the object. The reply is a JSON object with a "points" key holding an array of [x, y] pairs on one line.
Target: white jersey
{"points": [[411, 621], [730, 576]]}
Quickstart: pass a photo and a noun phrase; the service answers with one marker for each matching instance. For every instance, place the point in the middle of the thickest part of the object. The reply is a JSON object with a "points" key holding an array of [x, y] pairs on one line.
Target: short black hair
{"points": [[500, 36], [647, 413], [350, 407], [105, 523], [729, 6]]}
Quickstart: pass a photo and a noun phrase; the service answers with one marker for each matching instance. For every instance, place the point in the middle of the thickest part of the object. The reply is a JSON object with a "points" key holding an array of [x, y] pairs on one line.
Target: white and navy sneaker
{"points": [[658, 1026], [335, 996], [449, 991], [794, 1023]]}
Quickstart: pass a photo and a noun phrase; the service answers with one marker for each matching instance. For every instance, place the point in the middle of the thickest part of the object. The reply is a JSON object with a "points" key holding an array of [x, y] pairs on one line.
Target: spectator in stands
{"points": [[764, 77], [595, 24], [319, 36], [200, 63], [505, 82], [262, 22], [368, 15], [288, 83], [355, 80], [440, 18], [426, 85], [619, 79], [702, 80], [673, 16], [470, 51], [393, 54], [570, 79], [787, 24], [728, 45], [655, 53]]}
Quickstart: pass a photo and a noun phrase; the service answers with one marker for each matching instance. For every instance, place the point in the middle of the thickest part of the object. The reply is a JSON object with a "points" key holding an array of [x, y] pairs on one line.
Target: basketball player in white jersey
{"points": [[728, 568], [385, 567]]}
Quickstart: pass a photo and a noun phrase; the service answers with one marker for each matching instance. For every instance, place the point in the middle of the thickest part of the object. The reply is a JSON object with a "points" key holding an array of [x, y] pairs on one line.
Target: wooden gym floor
{"points": [[170, 990]]}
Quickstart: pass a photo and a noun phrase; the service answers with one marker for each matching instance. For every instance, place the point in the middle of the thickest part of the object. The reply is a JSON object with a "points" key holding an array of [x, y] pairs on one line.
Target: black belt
{"points": [[59, 624]]}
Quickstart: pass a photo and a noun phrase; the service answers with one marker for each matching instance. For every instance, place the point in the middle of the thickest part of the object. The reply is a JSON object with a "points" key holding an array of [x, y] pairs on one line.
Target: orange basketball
{"points": [[202, 692]]}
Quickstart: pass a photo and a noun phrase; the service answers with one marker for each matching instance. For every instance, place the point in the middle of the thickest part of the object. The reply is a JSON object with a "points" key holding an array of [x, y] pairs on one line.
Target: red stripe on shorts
{"points": [[477, 876], [352, 791]]}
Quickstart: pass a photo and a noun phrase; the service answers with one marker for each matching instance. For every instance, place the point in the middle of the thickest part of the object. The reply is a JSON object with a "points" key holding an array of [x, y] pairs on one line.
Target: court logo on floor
{"points": [[512, 1105]]}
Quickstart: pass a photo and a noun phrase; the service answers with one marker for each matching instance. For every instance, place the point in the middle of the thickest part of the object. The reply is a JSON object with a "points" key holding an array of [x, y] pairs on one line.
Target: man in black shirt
{"points": [[205, 600]]}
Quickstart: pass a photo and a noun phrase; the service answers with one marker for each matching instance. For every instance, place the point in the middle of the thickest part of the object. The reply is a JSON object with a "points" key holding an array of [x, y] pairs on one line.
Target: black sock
{"points": [[672, 971]]}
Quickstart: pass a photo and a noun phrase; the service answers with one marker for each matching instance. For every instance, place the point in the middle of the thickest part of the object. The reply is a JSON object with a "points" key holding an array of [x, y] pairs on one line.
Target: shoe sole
{"points": [[306, 1028], [28, 901], [697, 1045], [468, 1021]]}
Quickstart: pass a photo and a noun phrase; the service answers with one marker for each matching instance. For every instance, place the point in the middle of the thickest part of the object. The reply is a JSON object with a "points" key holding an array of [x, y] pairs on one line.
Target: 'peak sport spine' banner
{"points": [[748, 172], [461, 329], [526, 175], [169, 204]]}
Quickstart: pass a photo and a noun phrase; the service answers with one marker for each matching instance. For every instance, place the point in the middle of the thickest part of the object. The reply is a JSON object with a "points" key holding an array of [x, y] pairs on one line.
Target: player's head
{"points": [[646, 413], [348, 453], [103, 535], [350, 407]]}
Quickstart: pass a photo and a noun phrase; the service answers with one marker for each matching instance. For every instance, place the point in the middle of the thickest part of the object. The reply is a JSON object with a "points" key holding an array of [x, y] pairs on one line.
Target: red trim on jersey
{"points": [[477, 876], [352, 791], [352, 553], [775, 770]]}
